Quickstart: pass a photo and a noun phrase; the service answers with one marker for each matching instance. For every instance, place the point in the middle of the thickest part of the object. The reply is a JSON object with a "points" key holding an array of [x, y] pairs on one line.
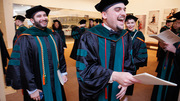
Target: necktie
{"points": [[111, 32]]}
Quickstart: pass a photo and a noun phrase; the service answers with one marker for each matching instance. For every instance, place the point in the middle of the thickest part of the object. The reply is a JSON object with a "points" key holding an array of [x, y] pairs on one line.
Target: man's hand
{"points": [[171, 48], [121, 93], [124, 78], [35, 95], [162, 45], [65, 78], [168, 47]]}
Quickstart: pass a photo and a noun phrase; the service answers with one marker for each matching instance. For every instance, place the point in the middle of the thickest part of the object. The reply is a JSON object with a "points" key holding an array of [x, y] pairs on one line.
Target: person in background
{"points": [[19, 20], [76, 33], [174, 28], [169, 70], [57, 27], [139, 50], [36, 58], [4, 52], [91, 23], [160, 52], [100, 21], [96, 21], [104, 63]]}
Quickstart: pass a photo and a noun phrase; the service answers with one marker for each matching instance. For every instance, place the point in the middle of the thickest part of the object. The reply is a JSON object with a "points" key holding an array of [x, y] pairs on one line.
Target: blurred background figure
{"points": [[96, 21], [77, 31], [139, 50], [57, 27], [160, 51], [4, 52], [19, 20], [91, 23]]}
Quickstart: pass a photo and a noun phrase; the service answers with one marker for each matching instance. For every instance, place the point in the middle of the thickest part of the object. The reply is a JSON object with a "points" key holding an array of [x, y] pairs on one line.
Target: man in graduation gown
{"points": [[103, 56], [19, 20], [36, 57], [170, 70], [139, 50], [76, 33], [160, 52]]}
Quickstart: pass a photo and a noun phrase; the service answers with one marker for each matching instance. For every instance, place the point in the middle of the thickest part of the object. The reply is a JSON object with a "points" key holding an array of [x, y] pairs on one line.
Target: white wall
{"points": [[138, 7]]}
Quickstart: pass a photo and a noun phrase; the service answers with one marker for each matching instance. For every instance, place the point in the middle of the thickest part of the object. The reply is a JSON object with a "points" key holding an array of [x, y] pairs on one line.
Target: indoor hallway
{"points": [[141, 92]]}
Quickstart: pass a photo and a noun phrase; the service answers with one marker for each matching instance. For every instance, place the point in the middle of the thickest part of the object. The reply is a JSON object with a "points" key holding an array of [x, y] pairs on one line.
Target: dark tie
{"points": [[111, 32]]}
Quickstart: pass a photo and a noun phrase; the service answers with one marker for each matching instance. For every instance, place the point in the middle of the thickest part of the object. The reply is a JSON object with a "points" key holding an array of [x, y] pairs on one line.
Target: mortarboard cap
{"points": [[177, 15], [131, 17], [91, 19], [82, 21], [19, 17], [31, 12], [103, 5]]}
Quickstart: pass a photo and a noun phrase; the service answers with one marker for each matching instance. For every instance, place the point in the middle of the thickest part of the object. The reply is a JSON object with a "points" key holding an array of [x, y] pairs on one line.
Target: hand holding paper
{"points": [[149, 79], [166, 36]]}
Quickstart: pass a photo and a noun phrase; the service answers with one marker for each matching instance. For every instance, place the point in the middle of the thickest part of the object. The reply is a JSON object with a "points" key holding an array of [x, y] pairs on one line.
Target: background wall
{"points": [[137, 7]]}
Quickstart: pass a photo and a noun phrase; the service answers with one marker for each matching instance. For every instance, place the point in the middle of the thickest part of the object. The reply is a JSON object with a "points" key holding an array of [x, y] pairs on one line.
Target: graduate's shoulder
{"points": [[140, 35]]}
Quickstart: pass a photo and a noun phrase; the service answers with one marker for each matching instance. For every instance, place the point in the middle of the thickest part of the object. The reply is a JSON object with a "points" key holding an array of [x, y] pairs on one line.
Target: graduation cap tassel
{"points": [[44, 79]]}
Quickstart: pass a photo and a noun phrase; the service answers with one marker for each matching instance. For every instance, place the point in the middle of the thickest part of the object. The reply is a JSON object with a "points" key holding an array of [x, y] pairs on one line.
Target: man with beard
{"points": [[37, 56], [19, 19], [169, 69], [104, 63]]}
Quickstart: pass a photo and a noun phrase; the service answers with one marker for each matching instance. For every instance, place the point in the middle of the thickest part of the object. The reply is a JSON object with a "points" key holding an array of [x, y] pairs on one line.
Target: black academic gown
{"points": [[160, 51], [94, 68], [20, 30], [169, 69], [24, 70], [76, 34], [61, 33]]}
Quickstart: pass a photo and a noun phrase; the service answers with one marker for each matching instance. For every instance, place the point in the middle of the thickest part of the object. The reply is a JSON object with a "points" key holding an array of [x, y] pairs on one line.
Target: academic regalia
{"points": [[139, 52], [169, 70], [160, 51], [61, 33], [139, 49], [19, 31], [4, 52], [34, 62], [100, 53], [76, 34]]}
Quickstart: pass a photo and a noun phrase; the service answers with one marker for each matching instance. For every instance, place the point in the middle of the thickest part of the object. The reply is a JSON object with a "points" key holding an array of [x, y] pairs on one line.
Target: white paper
{"points": [[149, 79], [167, 36], [60, 77]]}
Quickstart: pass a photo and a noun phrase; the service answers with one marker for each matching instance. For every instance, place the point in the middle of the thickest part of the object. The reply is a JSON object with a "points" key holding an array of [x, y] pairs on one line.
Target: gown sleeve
{"points": [[20, 73], [92, 77]]}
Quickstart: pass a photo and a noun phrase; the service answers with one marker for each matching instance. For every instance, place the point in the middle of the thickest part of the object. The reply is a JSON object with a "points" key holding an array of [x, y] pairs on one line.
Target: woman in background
{"points": [[139, 50], [57, 27]]}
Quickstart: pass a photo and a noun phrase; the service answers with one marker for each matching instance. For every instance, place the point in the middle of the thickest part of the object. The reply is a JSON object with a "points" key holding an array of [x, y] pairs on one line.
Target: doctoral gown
{"points": [[36, 57], [139, 51], [98, 55], [19, 31], [61, 33], [160, 51], [76, 34], [169, 69]]}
